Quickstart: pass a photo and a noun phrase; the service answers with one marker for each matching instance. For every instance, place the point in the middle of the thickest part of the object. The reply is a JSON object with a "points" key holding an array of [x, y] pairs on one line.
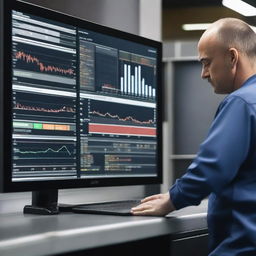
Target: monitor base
{"points": [[43, 202], [40, 210]]}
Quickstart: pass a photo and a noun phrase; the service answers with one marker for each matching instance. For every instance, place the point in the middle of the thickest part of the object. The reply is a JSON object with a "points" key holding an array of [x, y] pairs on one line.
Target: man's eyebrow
{"points": [[202, 59]]}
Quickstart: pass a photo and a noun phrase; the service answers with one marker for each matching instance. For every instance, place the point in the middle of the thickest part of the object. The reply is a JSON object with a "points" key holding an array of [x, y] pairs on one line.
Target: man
{"points": [[225, 166]]}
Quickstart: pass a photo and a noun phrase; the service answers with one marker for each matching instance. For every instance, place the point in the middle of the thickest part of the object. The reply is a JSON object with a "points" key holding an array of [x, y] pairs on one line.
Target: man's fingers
{"points": [[149, 198], [155, 205], [141, 213], [142, 209]]}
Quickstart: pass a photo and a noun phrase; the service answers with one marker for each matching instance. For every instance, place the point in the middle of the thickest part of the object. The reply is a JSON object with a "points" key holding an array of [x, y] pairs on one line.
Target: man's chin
{"points": [[216, 89], [219, 91]]}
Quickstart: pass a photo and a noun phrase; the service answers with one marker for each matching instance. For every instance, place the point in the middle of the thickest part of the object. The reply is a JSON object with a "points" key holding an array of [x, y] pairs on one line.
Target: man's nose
{"points": [[205, 73]]}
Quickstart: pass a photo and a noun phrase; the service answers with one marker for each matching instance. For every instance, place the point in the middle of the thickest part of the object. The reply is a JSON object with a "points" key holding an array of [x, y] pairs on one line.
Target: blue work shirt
{"points": [[225, 169]]}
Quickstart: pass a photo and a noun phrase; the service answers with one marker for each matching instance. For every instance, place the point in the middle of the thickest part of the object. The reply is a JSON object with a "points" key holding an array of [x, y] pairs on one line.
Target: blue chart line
{"points": [[45, 151]]}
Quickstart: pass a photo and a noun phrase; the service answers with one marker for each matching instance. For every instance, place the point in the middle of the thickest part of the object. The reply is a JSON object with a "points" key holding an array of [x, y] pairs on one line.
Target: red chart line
{"points": [[20, 55], [128, 118]]}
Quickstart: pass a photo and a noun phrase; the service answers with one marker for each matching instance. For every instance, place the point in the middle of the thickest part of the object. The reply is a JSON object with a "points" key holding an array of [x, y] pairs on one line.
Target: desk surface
{"points": [[44, 235]]}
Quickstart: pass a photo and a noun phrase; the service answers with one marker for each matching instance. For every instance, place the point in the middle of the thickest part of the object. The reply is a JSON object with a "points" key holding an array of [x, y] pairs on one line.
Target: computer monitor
{"points": [[80, 104]]}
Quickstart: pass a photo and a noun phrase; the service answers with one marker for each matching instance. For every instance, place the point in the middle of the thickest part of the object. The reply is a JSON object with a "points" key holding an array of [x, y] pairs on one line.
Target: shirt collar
{"points": [[249, 81]]}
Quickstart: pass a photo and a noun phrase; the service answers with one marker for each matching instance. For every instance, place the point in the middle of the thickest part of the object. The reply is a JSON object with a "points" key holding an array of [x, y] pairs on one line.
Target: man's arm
{"points": [[217, 163]]}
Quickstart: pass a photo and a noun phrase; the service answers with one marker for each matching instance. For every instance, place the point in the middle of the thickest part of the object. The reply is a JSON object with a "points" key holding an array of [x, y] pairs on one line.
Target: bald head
{"points": [[233, 33], [227, 51]]}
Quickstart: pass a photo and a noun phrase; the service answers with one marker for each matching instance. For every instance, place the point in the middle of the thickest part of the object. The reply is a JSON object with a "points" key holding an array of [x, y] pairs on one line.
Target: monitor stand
{"points": [[44, 202]]}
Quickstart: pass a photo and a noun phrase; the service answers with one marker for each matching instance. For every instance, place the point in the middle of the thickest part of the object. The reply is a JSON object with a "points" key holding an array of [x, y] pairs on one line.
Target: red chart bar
{"points": [[122, 130]]}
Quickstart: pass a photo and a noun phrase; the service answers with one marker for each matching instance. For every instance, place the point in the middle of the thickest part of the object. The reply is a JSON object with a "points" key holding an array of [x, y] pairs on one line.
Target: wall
{"points": [[174, 18], [119, 14], [190, 106]]}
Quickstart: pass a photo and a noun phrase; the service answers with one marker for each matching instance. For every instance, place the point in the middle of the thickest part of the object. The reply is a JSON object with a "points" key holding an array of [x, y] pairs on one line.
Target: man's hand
{"points": [[156, 205]]}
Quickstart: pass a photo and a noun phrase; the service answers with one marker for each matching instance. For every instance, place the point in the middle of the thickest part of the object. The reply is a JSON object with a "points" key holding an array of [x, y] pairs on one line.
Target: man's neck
{"points": [[245, 71]]}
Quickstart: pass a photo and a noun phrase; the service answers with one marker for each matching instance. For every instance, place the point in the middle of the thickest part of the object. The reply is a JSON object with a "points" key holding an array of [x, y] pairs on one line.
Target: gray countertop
{"points": [[45, 235]]}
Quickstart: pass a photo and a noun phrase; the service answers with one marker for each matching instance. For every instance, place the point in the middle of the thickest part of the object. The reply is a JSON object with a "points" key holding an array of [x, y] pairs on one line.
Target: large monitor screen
{"points": [[82, 103]]}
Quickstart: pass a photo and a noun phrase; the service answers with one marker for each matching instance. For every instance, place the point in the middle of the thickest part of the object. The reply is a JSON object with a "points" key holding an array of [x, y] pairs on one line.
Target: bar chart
{"points": [[137, 75]]}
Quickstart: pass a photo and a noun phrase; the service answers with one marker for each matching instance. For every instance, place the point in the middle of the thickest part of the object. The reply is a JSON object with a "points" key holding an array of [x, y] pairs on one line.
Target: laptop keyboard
{"points": [[111, 208]]}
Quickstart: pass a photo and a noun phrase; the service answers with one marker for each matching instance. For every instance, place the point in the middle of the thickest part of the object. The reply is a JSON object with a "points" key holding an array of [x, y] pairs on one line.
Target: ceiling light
{"points": [[195, 26], [240, 7], [202, 26], [253, 28]]}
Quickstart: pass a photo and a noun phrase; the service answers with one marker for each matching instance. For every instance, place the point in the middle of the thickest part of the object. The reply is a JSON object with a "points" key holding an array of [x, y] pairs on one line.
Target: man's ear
{"points": [[233, 54]]}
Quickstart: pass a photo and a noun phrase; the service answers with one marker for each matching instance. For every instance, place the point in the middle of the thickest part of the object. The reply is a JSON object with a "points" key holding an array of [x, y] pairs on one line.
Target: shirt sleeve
{"points": [[220, 155]]}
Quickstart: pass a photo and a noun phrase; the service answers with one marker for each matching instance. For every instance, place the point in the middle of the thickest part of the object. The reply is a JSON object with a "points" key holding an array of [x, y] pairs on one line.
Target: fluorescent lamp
{"points": [[202, 26], [240, 7], [195, 26], [253, 28]]}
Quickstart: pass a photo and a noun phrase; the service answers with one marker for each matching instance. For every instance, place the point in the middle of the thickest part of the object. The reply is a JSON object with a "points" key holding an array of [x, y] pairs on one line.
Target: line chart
{"points": [[28, 58], [127, 118], [113, 113], [20, 106], [41, 154], [63, 149]]}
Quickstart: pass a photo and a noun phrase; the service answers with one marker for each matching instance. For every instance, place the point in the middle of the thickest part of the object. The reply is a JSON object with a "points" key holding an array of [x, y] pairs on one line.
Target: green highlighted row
{"points": [[27, 125]]}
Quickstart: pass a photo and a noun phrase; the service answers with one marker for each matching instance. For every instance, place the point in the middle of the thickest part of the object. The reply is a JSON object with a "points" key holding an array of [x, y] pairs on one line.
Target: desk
{"points": [[72, 234]]}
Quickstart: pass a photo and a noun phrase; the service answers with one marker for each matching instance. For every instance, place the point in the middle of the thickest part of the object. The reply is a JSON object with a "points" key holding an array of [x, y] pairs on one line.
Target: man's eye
{"points": [[206, 64]]}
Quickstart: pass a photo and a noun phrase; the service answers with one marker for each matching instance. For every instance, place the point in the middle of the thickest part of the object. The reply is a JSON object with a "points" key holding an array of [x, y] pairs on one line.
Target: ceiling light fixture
{"points": [[253, 28], [202, 26], [195, 26], [240, 7]]}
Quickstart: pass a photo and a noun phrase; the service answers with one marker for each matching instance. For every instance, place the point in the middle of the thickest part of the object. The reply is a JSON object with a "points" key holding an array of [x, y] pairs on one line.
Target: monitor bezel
{"points": [[6, 183]]}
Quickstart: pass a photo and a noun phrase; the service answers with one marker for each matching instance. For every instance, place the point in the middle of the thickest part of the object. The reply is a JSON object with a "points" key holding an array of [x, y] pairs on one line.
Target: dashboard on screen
{"points": [[84, 102]]}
